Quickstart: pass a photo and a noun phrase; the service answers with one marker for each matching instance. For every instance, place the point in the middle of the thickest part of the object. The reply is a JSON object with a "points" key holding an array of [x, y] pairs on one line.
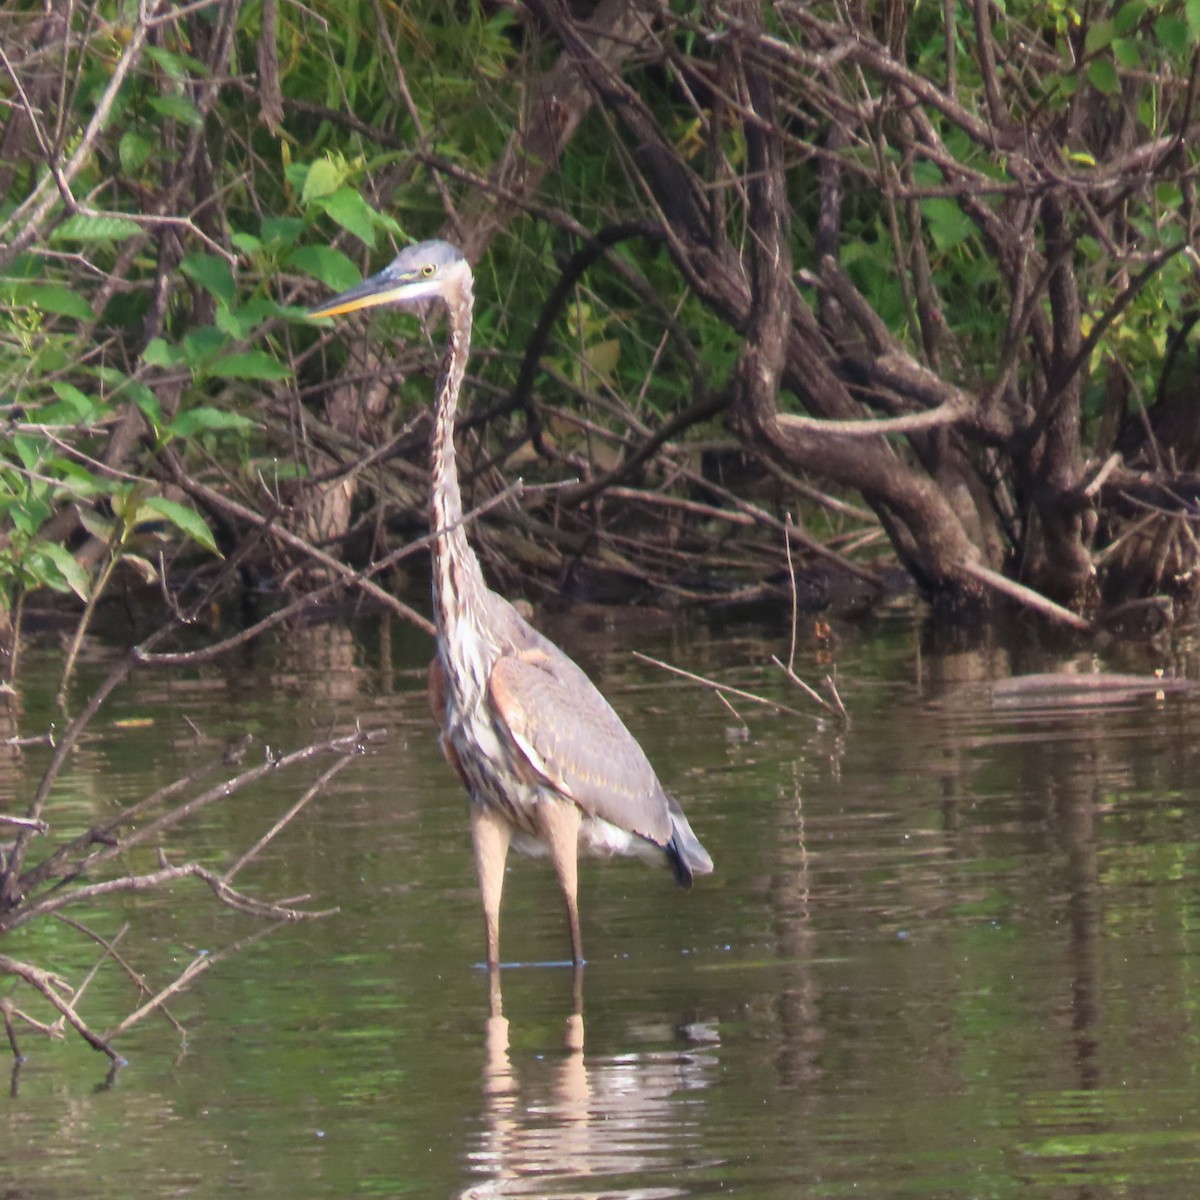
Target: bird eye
{"points": [[427, 270]]}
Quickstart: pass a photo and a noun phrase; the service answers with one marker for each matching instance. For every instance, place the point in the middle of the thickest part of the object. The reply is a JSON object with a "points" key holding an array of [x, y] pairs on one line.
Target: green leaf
{"points": [[1128, 15], [294, 172], [203, 343], [246, 243], [258, 309], [242, 323], [213, 274], [282, 231], [186, 520], [176, 108], [1062, 87], [29, 450], [143, 566], [79, 405], [324, 177], [948, 225], [1168, 194], [70, 573], [159, 353], [178, 66], [144, 398], [352, 213], [101, 528], [1192, 11], [124, 502], [1172, 34], [29, 516], [1102, 75], [326, 264], [80, 227], [249, 364], [1128, 52], [53, 298], [76, 481], [230, 323], [205, 418], [393, 226], [134, 150], [1099, 35], [601, 357]]}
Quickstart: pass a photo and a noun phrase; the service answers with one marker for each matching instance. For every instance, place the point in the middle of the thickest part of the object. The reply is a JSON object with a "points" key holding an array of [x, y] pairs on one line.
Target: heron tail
{"points": [[687, 856]]}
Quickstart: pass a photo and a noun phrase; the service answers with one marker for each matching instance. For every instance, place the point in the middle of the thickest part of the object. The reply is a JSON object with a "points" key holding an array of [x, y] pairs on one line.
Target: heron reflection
{"points": [[572, 1126]]}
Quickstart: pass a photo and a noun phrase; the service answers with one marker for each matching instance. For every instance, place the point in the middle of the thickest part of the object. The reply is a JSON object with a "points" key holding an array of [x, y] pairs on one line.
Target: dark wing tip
{"points": [[686, 855], [679, 866]]}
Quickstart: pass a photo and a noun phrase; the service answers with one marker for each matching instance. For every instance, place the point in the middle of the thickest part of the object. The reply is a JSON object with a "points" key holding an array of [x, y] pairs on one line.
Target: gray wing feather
{"points": [[571, 737]]}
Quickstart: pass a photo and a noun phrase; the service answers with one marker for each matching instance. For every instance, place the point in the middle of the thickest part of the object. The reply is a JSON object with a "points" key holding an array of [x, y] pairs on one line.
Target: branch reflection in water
{"points": [[578, 1127]]}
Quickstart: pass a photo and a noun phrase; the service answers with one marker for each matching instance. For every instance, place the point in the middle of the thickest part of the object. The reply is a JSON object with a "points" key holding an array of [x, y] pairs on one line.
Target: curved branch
{"points": [[945, 414], [576, 266]]}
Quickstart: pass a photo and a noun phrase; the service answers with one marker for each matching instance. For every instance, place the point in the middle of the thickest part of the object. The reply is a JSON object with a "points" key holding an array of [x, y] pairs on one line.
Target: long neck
{"points": [[457, 578]]}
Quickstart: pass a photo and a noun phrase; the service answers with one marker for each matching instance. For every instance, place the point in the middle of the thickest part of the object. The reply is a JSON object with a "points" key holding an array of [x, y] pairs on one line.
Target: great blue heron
{"points": [[549, 766]]}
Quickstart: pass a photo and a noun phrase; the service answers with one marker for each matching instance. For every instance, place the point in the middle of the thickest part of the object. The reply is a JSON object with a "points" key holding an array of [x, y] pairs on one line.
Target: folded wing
{"points": [[571, 738]]}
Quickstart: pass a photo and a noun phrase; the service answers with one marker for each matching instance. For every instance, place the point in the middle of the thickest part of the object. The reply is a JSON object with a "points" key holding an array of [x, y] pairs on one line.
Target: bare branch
{"points": [[50, 987], [201, 963], [718, 687], [1028, 597]]}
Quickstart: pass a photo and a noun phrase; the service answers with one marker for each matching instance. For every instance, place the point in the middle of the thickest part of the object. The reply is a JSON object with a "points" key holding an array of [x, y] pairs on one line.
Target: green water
{"points": [[953, 951]]}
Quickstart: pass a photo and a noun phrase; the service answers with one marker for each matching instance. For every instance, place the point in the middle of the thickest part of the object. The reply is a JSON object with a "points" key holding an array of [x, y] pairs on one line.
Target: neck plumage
{"points": [[457, 578]]}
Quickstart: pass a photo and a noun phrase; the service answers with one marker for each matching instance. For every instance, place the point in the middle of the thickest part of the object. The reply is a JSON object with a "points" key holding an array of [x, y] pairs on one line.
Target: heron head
{"points": [[428, 270]]}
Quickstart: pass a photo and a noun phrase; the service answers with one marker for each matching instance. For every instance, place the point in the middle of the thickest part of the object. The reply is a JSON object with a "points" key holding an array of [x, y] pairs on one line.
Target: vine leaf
{"points": [[186, 520]]}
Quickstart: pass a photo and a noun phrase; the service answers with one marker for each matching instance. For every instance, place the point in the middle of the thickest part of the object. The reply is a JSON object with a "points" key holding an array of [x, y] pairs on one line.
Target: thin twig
{"points": [[316, 787], [836, 708], [164, 876], [37, 739], [10, 880], [787, 549], [97, 590], [737, 716], [202, 962], [24, 823], [111, 952], [717, 686], [105, 834], [215, 500]]}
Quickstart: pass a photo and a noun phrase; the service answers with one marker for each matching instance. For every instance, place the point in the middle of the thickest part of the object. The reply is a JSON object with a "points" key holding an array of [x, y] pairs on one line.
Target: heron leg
{"points": [[558, 823], [490, 835]]}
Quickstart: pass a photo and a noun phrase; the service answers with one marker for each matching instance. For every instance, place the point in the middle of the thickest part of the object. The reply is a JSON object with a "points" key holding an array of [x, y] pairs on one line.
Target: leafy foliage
{"points": [[212, 170]]}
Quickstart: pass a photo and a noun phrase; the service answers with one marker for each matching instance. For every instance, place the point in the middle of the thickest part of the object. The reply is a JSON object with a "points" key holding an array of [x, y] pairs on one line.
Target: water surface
{"points": [[949, 952]]}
